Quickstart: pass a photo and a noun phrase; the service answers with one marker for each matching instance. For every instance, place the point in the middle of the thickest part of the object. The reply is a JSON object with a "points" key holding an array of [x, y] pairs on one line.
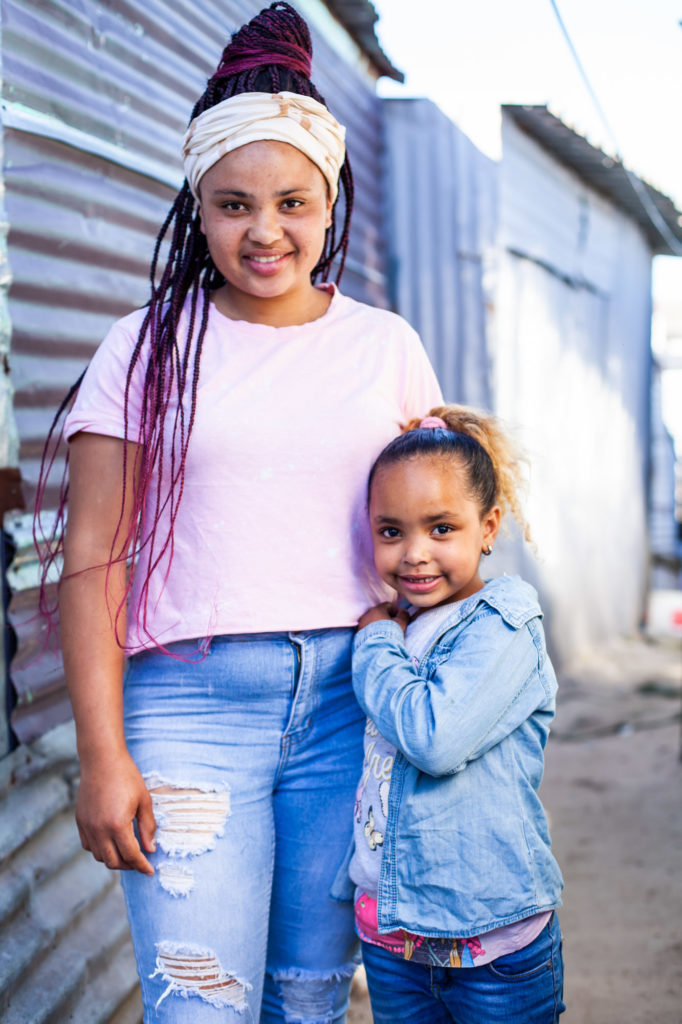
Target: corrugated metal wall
{"points": [[442, 216], [65, 953], [39, 693], [573, 371], [9, 447]]}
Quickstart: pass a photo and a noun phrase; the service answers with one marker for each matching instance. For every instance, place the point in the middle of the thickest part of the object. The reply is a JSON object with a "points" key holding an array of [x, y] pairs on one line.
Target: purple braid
{"points": [[272, 53]]}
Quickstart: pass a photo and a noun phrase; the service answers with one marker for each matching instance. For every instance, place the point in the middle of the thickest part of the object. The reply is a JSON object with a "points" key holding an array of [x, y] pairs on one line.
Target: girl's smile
{"points": [[428, 531], [264, 210]]}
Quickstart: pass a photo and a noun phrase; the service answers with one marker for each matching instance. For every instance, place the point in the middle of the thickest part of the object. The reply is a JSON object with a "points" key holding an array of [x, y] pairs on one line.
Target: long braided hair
{"points": [[272, 53]]}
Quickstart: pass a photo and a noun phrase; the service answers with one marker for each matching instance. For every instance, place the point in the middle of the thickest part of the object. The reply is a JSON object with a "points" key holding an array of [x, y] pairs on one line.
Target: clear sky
{"points": [[472, 55]]}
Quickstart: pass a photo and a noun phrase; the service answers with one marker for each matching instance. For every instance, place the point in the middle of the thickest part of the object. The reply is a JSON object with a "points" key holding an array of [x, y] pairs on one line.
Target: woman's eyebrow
{"points": [[240, 194]]}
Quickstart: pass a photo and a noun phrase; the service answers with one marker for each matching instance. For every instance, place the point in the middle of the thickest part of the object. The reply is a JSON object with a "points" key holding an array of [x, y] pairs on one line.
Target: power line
{"points": [[638, 186]]}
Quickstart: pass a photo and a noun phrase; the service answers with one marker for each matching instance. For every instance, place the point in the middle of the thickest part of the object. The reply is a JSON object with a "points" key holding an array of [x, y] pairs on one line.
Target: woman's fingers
{"points": [[130, 856], [117, 848], [146, 823]]}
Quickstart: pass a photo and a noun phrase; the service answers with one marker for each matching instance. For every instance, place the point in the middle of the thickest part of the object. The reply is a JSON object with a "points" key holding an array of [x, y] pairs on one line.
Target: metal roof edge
{"points": [[654, 212], [359, 17]]}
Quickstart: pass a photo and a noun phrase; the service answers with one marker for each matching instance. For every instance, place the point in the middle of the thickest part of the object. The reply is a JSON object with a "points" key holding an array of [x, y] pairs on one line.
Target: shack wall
{"points": [[441, 215], [572, 369]]}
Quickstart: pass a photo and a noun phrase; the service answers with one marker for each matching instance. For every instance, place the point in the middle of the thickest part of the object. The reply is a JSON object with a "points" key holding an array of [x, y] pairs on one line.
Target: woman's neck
{"points": [[279, 311]]}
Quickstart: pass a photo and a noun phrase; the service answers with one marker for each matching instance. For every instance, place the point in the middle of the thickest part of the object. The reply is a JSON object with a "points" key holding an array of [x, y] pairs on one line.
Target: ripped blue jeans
{"points": [[252, 757]]}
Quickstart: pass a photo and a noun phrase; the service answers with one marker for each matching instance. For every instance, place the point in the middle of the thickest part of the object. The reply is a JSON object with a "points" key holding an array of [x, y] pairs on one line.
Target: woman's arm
{"points": [[112, 792]]}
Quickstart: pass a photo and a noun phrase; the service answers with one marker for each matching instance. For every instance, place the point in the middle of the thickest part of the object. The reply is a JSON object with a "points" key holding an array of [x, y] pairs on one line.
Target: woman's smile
{"points": [[267, 264]]}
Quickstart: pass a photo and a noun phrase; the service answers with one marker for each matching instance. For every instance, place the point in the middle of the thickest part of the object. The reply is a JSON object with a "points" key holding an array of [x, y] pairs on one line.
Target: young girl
{"points": [[456, 884], [221, 439]]}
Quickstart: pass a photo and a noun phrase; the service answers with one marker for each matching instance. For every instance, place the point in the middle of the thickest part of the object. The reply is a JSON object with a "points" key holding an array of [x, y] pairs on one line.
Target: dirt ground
{"points": [[613, 790]]}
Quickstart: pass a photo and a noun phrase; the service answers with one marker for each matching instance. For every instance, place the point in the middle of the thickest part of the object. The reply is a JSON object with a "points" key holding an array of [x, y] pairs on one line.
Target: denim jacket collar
{"points": [[512, 598]]}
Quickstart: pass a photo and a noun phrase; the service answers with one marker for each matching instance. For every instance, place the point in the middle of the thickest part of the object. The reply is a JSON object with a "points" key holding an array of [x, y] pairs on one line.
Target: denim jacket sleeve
{"points": [[477, 688]]}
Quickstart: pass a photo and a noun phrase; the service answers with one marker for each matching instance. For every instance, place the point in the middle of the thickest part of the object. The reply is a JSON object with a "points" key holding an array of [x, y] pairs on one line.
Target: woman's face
{"points": [[264, 210]]}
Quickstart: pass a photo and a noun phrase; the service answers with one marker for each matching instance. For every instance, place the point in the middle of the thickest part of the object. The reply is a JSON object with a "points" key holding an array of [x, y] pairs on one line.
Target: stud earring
{"points": [[488, 550]]}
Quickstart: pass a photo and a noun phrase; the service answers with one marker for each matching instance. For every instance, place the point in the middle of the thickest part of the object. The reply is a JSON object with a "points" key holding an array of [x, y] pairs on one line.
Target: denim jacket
{"points": [[467, 846]]}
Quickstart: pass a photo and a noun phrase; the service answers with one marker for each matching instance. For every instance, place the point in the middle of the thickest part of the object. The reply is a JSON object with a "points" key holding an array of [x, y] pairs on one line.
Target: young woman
{"points": [[215, 557]]}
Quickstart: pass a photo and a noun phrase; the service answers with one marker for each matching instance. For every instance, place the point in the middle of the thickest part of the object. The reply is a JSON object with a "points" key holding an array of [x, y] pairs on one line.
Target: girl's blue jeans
{"points": [[252, 757], [525, 987]]}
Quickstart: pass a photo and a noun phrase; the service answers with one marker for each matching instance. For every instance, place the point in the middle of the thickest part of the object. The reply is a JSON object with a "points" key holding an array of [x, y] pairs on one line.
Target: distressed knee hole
{"points": [[192, 971], [189, 821], [175, 878]]}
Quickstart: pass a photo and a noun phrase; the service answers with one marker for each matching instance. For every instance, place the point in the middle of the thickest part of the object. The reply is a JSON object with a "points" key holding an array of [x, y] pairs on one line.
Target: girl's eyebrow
{"points": [[435, 518], [440, 516]]}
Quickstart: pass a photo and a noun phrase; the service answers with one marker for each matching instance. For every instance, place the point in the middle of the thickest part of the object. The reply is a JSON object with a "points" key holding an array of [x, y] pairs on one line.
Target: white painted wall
{"points": [[572, 369]]}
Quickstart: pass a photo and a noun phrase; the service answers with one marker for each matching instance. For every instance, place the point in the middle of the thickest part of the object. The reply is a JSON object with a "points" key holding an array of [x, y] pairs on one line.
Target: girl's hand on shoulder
{"points": [[381, 612], [110, 797]]}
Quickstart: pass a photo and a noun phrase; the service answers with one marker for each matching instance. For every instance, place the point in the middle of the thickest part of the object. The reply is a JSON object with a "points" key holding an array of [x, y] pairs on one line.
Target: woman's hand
{"points": [[386, 610], [112, 794]]}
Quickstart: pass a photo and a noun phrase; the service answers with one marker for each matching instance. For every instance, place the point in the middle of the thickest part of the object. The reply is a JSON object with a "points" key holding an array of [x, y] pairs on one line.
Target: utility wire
{"points": [[639, 188]]}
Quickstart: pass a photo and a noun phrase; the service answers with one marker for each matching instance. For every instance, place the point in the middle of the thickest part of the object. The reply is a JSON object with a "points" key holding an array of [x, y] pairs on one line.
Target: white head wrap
{"points": [[256, 116]]}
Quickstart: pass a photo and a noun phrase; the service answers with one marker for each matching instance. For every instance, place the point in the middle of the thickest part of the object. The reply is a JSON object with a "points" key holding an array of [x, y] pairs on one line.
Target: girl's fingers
{"points": [[398, 614], [402, 618]]}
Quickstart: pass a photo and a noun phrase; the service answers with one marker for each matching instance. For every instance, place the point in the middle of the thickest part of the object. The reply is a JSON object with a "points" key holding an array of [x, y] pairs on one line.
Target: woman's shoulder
{"points": [[122, 335], [375, 318], [130, 323]]}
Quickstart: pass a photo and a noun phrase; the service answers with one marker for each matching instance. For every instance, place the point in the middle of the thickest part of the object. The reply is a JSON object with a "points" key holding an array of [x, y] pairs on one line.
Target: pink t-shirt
{"points": [[271, 532]]}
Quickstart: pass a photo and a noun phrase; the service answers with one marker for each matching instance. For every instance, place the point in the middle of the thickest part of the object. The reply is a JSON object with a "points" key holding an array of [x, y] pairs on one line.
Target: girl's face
{"points": [[264, 210], [428, 531]]}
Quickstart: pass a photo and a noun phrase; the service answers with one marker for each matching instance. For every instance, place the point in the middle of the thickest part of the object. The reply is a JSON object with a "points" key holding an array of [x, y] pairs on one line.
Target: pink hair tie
{"points": [[433, 423]]}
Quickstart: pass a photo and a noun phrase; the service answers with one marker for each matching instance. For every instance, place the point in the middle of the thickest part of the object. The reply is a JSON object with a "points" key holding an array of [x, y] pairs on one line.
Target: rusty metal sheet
{"points": [[36, 672]]}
